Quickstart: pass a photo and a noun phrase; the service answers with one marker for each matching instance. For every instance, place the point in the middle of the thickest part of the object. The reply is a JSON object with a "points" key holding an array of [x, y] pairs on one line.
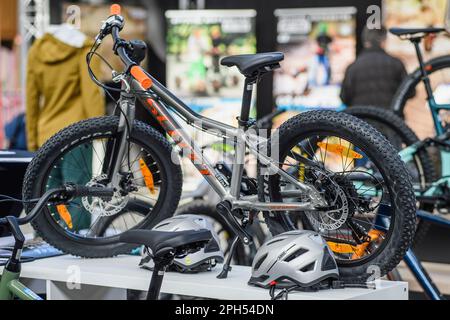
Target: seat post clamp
{"points": [[247, 123]]}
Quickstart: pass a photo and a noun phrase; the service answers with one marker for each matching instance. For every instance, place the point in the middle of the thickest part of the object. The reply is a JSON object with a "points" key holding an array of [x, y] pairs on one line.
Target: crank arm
{"points": [[224, 209]]}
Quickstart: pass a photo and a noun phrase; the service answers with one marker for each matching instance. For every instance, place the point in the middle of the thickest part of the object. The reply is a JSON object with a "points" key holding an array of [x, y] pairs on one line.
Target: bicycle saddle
{"points": [[413, 31], [157, 240], [251, 64]]}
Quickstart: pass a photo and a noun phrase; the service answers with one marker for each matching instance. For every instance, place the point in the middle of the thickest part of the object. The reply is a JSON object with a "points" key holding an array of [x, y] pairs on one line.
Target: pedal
{"points": [[224, 209]]}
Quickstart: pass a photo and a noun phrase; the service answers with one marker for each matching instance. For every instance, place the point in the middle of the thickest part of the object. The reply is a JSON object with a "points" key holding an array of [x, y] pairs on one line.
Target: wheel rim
{"points": [[376, 234]]}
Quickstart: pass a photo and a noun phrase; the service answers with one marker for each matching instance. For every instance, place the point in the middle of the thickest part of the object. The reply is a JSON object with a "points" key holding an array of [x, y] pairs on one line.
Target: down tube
{"points": [[182, 139]]}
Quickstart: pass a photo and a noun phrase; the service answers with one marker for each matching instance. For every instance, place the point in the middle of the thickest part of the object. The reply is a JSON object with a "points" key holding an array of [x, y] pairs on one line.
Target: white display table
{"points": [[68, 277]]}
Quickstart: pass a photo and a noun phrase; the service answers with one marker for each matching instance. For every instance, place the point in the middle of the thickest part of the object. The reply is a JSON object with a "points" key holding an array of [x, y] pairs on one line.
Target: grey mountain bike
{"points": [[322, 170]]}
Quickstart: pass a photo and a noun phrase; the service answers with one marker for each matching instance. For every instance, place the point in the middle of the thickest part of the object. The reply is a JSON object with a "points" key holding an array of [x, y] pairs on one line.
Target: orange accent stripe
{"points": [[115, 10], [205, 172], [139, 74], [148, 176], [339, 149], [183, 145], [161, 118], [193, 157], [65, 215]]}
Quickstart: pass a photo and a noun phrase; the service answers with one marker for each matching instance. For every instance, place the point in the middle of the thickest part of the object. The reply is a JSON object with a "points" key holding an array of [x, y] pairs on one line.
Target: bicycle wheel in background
{"points": [[150, 186], [370, 221], [415, 110], [400, 135]]}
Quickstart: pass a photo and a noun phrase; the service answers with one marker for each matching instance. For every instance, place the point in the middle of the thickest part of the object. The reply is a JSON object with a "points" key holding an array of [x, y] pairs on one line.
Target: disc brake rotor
{"points": [[333, 219], [102, 206]]}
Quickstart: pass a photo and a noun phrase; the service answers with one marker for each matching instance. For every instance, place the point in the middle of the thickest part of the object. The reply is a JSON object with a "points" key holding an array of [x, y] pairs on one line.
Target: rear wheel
{"points": [[370, 222], [401, 136], [150, 186]]}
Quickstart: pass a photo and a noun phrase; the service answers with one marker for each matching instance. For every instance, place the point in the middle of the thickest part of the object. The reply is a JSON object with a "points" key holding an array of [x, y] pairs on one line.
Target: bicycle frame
{"points": [[159, 100], [445, 155], [408, 153], [11, 287], [415, 265]]}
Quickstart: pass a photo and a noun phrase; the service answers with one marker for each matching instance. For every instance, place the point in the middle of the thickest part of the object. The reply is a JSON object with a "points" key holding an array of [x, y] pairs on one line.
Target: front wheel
{"points": [[370, 219], [150, 185]]}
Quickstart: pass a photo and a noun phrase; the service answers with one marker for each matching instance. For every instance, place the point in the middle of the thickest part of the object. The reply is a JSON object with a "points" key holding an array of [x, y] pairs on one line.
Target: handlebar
{"points": [[113, 25], [121, 52], [62, 194]]}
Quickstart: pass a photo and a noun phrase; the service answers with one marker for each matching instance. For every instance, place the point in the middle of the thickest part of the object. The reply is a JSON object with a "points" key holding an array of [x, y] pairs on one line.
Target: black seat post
{"points": [[246, 101], [156, 282], [425, 78], [162, 259]]}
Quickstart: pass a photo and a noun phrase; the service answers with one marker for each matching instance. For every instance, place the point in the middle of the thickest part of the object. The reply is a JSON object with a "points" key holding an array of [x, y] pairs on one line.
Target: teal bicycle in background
{"points": [[431, 180]]}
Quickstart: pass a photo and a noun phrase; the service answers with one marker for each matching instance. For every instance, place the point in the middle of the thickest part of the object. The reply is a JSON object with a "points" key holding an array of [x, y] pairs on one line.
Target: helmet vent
{"points": [[309, 267], [296, 254], [212, 246], [260, 261], [328, 263]]}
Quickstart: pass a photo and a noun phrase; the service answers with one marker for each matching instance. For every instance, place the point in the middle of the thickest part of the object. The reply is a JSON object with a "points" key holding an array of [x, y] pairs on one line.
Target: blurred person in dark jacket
{"points": [[373, 78]]}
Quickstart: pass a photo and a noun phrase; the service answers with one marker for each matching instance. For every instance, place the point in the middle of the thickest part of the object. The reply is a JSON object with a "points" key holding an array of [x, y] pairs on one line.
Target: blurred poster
{"points": [[415, 14], [420, 14], [196, 42], [319, 44], [90, 20]]}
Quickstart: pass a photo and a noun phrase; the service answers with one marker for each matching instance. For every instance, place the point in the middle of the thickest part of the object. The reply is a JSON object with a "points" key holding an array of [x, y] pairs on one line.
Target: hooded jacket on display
{"points": [[59, 89]]}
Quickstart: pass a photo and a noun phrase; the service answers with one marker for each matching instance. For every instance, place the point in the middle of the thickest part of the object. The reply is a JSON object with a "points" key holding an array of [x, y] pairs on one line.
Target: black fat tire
{"points": [[389, 163], [382, 118], [401, 97], [36, 173]]}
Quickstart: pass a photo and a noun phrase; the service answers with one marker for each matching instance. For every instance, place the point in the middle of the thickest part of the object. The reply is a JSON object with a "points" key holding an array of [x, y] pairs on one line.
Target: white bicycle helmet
{"points": [[202, 260], [299, 257]]}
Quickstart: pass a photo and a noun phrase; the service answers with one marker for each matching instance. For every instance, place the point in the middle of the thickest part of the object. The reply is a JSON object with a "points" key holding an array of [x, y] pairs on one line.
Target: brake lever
{"points": [[108, 24]]}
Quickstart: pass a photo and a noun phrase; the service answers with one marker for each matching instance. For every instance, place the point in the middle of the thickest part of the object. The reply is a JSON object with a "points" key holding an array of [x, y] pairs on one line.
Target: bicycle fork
{"points": [[118, 148]]}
